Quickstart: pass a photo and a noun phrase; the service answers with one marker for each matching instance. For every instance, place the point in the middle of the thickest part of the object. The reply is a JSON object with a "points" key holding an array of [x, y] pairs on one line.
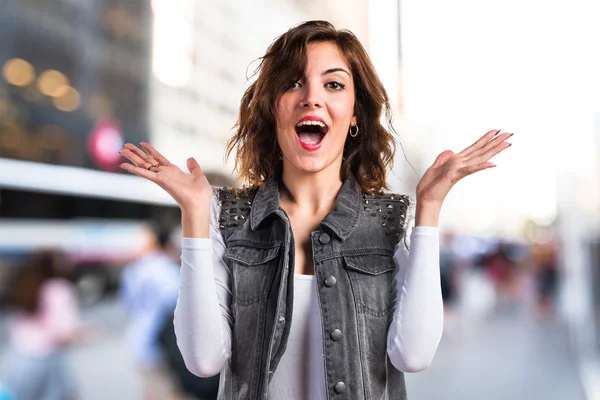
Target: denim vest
{"points": [[353, 256]]}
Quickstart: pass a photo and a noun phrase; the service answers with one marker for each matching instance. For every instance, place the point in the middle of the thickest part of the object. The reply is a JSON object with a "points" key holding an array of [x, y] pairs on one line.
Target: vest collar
{"points": [[341, 221]]}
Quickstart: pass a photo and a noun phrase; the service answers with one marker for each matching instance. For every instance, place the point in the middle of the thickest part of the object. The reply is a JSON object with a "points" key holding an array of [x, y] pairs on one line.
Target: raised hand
{"points": [[191, 191], [449, 168]]}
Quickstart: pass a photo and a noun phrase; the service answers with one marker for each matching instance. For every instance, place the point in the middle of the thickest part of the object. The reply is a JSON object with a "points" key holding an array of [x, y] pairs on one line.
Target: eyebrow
{"points": [[332, 70]]}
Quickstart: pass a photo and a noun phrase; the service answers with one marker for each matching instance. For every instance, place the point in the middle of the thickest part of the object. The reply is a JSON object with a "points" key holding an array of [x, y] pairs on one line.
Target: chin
{"points": [[310, 165]]}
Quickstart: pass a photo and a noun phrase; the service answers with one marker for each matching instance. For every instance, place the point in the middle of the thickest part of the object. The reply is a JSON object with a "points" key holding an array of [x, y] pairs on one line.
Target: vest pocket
{"points": [[250, 253], [370, 264], [252, 267], [371, 279]]}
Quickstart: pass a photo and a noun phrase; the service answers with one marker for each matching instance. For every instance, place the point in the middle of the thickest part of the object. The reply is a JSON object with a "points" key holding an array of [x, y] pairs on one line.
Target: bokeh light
{"points": [[18, 72], [53, 83], [68, 101]]}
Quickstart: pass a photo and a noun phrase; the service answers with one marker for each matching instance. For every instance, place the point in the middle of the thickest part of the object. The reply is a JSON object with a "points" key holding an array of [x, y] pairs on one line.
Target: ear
{"points": [[353, 120]]}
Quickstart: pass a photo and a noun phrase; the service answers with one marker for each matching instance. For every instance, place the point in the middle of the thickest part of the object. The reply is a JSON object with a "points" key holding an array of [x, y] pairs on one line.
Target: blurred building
{"points": [[74, 81], [74, 87]]}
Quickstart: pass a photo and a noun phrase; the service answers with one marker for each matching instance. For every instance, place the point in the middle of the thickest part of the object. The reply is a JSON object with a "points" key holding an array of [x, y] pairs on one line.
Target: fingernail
{"points": [[510, 134]]}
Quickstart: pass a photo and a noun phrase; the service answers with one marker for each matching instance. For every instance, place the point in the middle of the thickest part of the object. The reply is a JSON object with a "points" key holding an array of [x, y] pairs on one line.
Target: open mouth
{"points": [[311, 132]]}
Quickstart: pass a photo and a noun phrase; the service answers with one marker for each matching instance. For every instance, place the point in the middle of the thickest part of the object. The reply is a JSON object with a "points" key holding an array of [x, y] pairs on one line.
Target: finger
{"points": [[471, 169], [485, 156], [193, 166], [137, 151], [155, 153], [442, 158], [490, 145], [480, 143], [144, 173], [135, 159]]}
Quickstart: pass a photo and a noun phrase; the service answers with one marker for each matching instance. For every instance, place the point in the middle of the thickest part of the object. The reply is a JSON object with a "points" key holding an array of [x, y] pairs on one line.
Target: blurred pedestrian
{"points": [[499, 269], [44, 323], [448, 270], [546, 276], [448, 278], [149, 288], [301, 285]]}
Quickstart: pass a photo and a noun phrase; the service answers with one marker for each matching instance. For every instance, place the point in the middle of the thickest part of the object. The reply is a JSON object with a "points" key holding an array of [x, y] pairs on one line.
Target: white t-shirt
{"points": [[301, 373], [203, 320]]}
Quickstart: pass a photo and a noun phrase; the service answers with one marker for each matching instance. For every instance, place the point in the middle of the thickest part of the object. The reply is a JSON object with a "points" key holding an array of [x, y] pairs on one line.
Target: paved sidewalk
{"points": [[508, 356]]}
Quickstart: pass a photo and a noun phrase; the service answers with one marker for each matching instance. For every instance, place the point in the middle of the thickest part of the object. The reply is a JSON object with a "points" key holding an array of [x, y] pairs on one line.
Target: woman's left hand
{"points": [[449, 168]]}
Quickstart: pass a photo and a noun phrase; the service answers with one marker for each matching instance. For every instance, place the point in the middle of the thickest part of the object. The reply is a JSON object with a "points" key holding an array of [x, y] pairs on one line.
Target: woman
{"points": [[312, 233], [44, 324]]}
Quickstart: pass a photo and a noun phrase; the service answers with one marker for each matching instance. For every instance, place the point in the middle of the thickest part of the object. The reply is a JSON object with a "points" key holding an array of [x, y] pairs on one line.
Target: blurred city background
{"points": [[520, 243]]}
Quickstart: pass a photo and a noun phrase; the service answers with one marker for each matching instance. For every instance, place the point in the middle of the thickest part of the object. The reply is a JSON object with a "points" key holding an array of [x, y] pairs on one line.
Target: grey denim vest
{"points": [[353, 256]]}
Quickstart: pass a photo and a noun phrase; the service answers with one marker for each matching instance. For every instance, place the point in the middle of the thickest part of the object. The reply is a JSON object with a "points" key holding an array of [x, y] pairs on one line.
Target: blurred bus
{"points": [[99, 219], [98, 249]]}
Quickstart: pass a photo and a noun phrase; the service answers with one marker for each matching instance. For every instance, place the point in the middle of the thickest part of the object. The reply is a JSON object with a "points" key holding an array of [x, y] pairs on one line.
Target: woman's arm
{"points": [[417, 324], [418, 320], [203, 319]]}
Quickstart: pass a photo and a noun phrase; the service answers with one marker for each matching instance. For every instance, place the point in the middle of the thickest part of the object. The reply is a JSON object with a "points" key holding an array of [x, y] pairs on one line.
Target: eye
{"points": [[335, 85], [294, 85]]}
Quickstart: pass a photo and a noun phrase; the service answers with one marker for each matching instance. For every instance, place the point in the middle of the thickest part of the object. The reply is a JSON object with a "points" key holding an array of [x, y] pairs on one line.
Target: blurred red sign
{"points": [[104, 144]]}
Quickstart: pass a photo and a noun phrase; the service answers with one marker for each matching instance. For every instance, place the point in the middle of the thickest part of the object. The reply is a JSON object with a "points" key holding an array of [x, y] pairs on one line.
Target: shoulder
{"points": [[234, 195], [393, 211], [391, 201], [397, 197], [233, 205]]}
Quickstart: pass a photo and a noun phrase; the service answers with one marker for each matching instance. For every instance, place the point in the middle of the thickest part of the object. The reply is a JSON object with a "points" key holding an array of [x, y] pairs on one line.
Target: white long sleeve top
{"points": [[203, 319]]}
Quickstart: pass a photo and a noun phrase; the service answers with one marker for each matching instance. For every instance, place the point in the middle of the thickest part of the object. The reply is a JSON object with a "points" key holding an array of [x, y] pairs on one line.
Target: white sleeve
{"points": [[203, 319], [417, 324]]}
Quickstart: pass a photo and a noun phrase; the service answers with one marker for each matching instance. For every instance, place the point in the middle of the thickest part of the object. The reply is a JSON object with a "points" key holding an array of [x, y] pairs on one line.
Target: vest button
{"points": [[340, 387], [336, 335], [330, 281], [324, 238]]}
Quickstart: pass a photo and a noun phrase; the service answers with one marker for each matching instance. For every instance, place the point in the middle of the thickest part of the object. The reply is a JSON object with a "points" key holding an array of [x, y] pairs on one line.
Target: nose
{"points": [[312, 98]]}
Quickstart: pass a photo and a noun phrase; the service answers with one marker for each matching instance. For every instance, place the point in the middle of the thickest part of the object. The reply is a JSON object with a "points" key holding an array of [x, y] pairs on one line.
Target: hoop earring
{"points": [[355, 133]]}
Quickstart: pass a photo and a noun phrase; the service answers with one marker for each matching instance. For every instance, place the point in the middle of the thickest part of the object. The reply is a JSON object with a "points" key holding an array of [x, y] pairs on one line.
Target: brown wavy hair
{"points": [[368, 156]]}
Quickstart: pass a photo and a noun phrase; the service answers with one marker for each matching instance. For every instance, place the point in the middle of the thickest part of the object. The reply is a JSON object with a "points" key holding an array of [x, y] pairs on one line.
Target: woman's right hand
{"points": [[191, 191]]}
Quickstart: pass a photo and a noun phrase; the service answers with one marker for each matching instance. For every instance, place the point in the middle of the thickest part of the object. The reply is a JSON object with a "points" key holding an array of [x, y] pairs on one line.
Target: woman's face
{"points": [[314, 115]]}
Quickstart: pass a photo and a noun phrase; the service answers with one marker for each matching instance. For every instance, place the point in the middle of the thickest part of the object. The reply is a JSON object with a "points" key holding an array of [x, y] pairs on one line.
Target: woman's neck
{"points": [[310, 193]]}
